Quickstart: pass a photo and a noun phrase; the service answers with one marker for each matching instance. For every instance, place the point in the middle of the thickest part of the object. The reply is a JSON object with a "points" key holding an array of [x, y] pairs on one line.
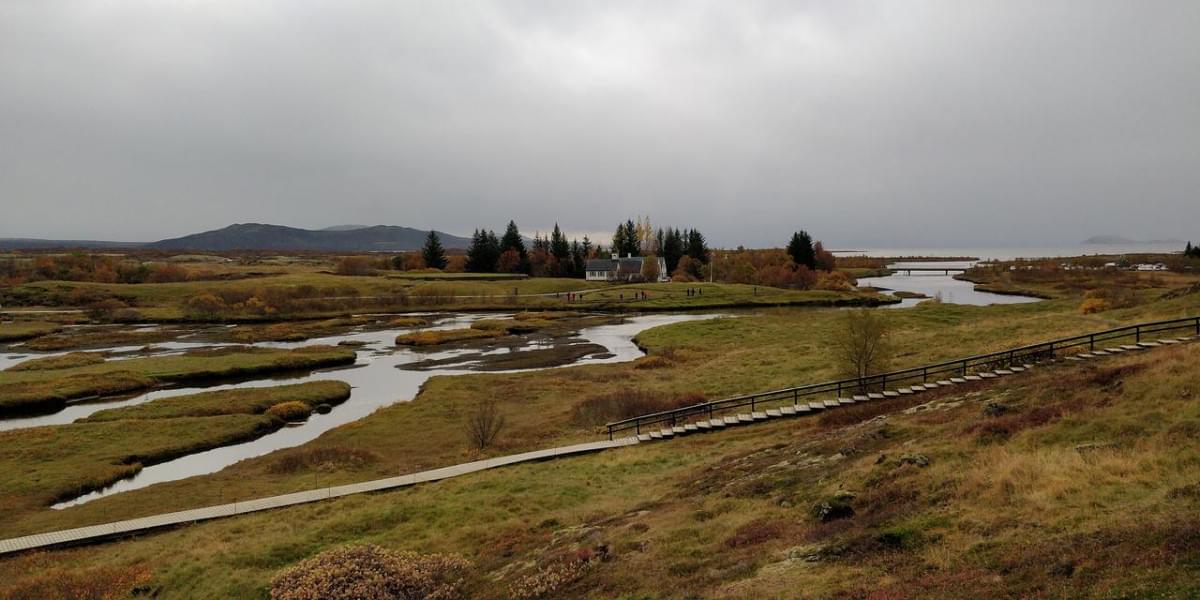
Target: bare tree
{"points": [[484, 424], [861, 346]]}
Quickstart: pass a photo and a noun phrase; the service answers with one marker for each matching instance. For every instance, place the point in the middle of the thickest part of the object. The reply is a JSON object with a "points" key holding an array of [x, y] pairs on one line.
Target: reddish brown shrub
{"points": [[755, 533], [373, 573]]}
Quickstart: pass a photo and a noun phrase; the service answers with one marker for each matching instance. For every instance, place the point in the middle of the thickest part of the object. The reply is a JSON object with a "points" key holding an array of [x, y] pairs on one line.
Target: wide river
{"points": [[938, 285]]}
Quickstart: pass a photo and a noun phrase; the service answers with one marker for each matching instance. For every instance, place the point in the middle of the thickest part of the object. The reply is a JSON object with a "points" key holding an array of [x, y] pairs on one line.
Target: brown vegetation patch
{"points": [[324, 458], [627, 403], [756, 532]]}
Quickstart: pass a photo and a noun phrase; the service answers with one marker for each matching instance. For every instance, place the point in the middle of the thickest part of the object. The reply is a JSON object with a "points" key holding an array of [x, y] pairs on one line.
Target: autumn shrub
{"points": [[373, 573], [324, 458], [652, 362], [58, 583], [167, 273], [755, 533], [629, 402], [835, 281], [550, 579], [290, 411], [354, 265], [1094, 305], [106, 309]]}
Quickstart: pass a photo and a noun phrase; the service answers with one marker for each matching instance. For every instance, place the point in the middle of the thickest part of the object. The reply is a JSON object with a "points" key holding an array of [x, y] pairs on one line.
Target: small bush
{"points": [[373, 573], [626, 403], [755, 533], [1094, 305], [484, 424], [550, 579], [335, 458], [290, 411], [652, 362], [55, 583]]}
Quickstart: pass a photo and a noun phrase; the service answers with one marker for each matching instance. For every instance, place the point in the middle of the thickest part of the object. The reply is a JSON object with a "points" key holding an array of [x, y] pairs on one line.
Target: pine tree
{"points": [[477, 253], [1190, 251], [800, 248], [578, 259], [672, 248], [512, 240], [559, 247], [697, 248], [433, 253]]}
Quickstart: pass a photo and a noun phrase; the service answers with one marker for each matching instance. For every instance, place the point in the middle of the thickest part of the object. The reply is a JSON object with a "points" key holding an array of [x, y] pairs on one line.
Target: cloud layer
{"points": [[868, 123]]}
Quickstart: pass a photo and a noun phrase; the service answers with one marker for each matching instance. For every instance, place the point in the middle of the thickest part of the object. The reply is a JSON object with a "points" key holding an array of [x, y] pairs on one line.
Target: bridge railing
{"points": [[923, 374]]}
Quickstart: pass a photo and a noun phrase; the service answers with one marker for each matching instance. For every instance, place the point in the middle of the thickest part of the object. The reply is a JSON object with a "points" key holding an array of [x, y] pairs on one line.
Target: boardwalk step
{"points": [[845, 400], [758, 416], [875, 396], [988, 375], [945, 382], [958, 380], [691, 428], [905, 390], [704, 425], [861, 398], [645, 437], [1132, 347], [1100, 353], [773, 413], [1004, 372], [816, 406], [973, 378], [667, 433], [1149, 344], [745, 418], [1016, 369], [717, 423], [1171, 342], [656, 435], [788, 411], [831, 404], [1114, 350]]}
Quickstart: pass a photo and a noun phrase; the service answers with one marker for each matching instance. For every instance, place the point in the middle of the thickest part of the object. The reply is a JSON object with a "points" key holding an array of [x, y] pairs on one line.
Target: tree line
{"points": [[1191, 251]]}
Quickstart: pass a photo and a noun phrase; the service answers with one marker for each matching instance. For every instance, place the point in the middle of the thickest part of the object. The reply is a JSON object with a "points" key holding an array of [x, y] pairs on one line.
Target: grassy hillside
{"points": [[1070, 481]]}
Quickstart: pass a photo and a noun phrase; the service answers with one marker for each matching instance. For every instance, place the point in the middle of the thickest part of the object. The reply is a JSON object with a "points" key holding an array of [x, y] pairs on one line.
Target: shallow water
{"points": [[377, 381], [950, 290]]}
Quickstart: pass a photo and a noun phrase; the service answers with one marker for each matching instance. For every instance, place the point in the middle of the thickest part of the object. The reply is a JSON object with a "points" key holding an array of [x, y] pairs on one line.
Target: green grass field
{"points": [[730, 514]]}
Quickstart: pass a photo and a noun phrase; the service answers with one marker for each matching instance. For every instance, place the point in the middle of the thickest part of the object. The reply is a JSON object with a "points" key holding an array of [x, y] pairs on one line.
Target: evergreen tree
{"points": [[433, 253], [578, 259], [477, 253], [559, 247], [512, 241], [1191, 251], [587, 247], [697, 247], [672, 248], [800, 248]]}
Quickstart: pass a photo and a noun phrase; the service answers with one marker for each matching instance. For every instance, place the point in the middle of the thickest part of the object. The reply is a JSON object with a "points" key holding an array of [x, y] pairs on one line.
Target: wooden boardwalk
{"points": [[106, 531], [95, 533]]}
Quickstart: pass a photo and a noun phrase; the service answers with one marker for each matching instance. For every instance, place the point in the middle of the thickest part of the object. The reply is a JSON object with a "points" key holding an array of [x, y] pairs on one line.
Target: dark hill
{"points": [[258, 236]]}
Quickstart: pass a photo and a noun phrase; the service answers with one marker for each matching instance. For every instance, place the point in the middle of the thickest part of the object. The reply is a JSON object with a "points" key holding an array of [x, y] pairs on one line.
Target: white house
{"points": [[622, 269]]}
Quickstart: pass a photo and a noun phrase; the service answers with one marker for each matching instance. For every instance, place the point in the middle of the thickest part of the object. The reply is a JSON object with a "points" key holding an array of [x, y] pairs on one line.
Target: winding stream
{"points": [[378, 378]]}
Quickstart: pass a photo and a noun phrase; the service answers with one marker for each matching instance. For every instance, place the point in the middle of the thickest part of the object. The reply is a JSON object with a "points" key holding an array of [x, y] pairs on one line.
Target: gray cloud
{"points": [[868, 123]]}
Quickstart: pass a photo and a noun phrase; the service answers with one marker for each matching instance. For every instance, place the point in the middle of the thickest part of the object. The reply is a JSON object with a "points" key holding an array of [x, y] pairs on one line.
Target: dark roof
{"points": [[601, 264], [630, 265]]}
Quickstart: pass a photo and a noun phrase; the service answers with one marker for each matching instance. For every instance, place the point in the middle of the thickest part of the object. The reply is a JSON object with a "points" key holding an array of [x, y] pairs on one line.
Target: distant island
{"points": [[1114, 240]]}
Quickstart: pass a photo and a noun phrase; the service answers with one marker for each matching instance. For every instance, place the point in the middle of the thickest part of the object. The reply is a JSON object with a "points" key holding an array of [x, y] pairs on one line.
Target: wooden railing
{"points": [[954, 368]]}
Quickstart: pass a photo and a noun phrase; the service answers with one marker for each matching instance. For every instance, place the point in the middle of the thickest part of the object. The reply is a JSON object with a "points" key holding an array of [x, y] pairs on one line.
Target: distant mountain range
{"points": [[1113, 240], [258, 236]]}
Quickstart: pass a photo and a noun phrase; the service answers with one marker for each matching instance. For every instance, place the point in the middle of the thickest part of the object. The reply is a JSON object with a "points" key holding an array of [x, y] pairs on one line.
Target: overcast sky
{"points": [[867, 123]]}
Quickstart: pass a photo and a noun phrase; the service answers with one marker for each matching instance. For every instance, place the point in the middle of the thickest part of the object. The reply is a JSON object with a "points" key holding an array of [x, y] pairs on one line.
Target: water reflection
{"points": [[940, 285]]}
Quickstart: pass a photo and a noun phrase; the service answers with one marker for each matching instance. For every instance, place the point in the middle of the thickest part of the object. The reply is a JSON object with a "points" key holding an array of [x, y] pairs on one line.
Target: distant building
{"points": [[622, 269], [1150, 267]]}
